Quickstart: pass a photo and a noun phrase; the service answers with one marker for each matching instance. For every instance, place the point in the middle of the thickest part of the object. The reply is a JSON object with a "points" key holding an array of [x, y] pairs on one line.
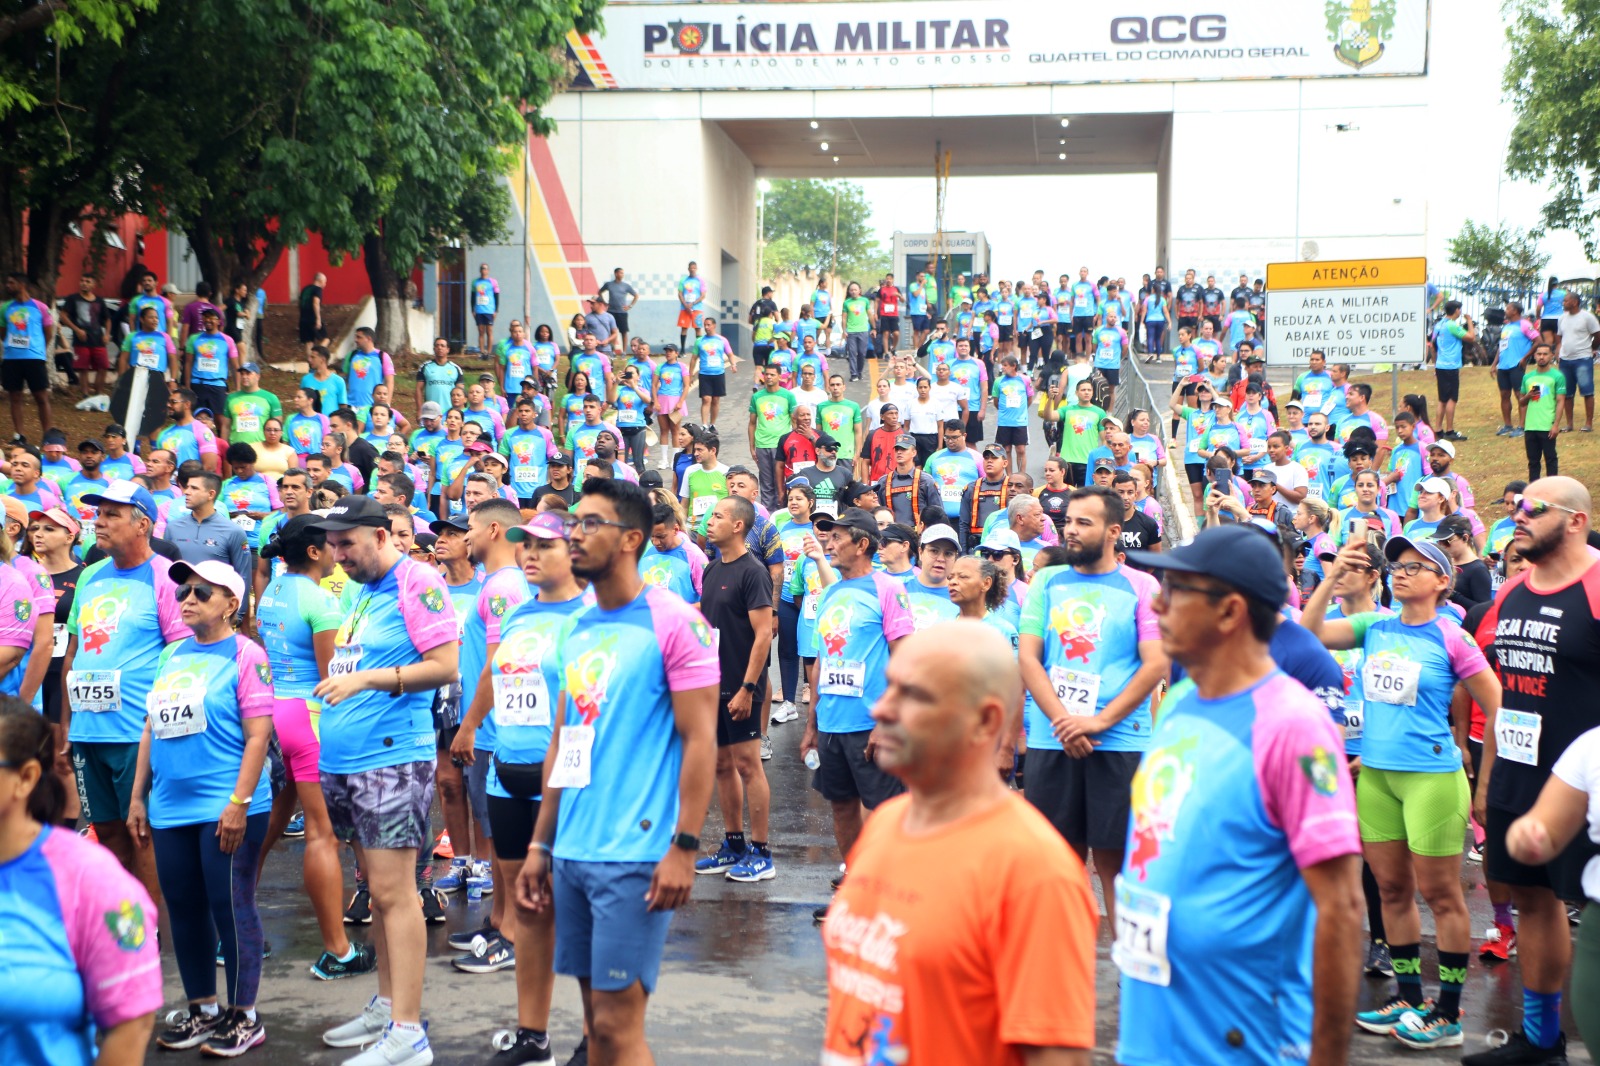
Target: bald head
{"points": [[1568, 492], [950, 690]]}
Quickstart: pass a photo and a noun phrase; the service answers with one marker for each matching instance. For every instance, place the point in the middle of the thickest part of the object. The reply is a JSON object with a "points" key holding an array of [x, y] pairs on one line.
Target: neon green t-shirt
{"points": [[774, 415], [856, 311], [839, 419], [1541, 413]]}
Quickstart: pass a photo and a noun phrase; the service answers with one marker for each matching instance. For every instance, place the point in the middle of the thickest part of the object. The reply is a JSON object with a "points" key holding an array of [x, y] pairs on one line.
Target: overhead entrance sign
{"points": [[1357, 311], [827, 44]]}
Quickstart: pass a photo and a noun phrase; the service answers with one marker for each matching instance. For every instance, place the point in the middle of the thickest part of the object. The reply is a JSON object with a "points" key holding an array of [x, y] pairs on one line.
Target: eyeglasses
{"points": [[202, 593], [1413, 569], [1169, 586], [1536, 508], [591, 524]]}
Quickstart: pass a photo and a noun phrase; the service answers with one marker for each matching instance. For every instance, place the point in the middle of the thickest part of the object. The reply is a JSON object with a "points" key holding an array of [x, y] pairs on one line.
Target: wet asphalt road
{"points": [[743, 980]]}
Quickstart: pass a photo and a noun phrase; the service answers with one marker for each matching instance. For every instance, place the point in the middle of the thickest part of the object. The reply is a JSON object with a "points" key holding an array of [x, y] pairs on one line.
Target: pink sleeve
{"points": [[1465, 657], [496, 285], [1467, 501], [429, 619], [233, 351], [15, 632], [388, 365], [1380, 428], [254, 689], [47, 320], [697, 564], [138, 463], [168, 614], [1301, 771], [272, 494], [205, 439], [172, 349], [687, 650], [1529, 330], [1146, 588], [896, 608], [111, 928], [513, 592], [42, 589], [549, 441], [1161, 451]]}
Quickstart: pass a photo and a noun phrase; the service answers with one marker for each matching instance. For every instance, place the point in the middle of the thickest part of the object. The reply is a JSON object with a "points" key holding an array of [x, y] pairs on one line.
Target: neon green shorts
{"points": [[1426, 810]]}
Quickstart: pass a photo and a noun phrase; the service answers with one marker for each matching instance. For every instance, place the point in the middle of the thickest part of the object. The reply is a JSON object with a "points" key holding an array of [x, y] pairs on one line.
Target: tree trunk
{"points": [[47, 234], [388, 296], [225, 256], [11, 222]]}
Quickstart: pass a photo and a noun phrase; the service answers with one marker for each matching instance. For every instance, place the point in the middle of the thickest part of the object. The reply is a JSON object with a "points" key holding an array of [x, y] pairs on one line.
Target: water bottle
{"points": [[813, 760]]}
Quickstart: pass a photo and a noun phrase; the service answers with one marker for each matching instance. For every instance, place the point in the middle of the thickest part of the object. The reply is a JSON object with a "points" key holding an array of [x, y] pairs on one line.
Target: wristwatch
{"points": [[686, 841], [750, 687]]}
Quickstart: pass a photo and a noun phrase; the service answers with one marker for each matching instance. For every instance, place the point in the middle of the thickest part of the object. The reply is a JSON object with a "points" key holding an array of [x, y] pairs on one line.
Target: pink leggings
{"points": [[296, 722]]}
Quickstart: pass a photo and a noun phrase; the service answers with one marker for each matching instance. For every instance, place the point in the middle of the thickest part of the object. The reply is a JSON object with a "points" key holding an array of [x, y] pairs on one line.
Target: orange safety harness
{"points": [[978, 493]]}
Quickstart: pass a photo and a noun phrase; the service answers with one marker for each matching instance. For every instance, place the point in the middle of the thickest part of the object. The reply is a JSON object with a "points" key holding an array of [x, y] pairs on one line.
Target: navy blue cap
{"points": [[1234, 554]]}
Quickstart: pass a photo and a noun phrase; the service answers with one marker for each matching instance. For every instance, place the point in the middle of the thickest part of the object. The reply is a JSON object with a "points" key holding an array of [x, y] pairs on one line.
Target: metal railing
{"points": [[1477, 296], [1172, 485]]}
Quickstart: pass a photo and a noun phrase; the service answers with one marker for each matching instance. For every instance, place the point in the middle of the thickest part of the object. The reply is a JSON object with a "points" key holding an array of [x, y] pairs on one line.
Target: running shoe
{"points": [[1520, 1051], [433, 902], [236, 1035], [820, 915], [785, 712], [497, 955], [395, 1049], [526, 1051], [296, 826], [1499, 943], [365, 1028], [1574, 915], [456, 879], [580, 1054], [837, 881], [328, 967], [360, 910], [1379, 964], [766, 748], [1475, 854], [754, 866], [1517, 432], [1387, 1018], [1503, 431], [1423, 1031], [442, 848], [190, 1031], [724, 860], [462, 941]]}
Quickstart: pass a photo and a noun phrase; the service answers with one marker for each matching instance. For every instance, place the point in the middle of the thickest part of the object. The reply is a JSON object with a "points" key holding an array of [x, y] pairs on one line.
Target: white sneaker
{"points": [[785, 712], [766, 748], [366, 1028], [395, 1049]]}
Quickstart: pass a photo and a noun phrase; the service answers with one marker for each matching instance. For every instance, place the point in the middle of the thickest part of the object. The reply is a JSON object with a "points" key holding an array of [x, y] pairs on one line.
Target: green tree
{"points": [[784, 255], [805, 209], [1553, 79], [1501, 255], [44, 29]]}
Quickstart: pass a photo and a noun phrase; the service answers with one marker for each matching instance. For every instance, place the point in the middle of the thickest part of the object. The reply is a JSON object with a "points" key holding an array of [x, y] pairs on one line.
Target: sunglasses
{"points": [[992, 554], [1536, 508], [202, 593]]}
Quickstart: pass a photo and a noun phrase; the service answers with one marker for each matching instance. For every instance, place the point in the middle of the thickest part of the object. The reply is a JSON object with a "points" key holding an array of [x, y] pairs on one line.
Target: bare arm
{"points": [[126, 1043], [44, 638], [465, 744], [1153, 669], [694, 711], [1557, 817], [1336, 956], [438, 666], [1056, 1056], [740, 703]]}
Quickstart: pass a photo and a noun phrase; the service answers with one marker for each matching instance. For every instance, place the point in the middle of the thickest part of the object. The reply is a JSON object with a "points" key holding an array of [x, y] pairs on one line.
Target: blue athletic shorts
{"points": [[605, 935]]}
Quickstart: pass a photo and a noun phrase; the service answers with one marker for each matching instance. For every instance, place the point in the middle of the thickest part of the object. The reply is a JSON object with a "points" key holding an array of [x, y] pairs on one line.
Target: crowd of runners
{"points": [[501, 645]]}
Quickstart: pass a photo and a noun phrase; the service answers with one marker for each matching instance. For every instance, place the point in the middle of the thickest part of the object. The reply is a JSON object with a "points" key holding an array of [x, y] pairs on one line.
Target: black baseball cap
{"points": [[1453, 525], [354, 512], [825, 441], [1234, 554], [850, 518], [453, 524], [897, 533], [91, 442], [650, 479], [1360, 447], [558, 459]]}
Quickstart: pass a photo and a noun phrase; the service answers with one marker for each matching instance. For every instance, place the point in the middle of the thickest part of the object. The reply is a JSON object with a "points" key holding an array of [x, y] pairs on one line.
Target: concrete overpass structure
{"points": [[1276, 132]]}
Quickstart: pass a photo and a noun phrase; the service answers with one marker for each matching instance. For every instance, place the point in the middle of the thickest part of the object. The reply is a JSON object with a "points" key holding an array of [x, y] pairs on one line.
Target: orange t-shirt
{"points": [[960, 945]]}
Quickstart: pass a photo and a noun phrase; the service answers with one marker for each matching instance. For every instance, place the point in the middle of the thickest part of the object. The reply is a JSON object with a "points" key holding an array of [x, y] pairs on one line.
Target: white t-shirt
{"points": [[922, 417], [948, 397], [1579, 766], [871, 410], [1577, 335], [810, 398], [903, 396], [1291, 475]]}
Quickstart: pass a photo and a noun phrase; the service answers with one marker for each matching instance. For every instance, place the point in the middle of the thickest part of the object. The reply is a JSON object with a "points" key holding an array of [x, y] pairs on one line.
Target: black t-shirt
{"points": [[570, 494], [1139, 532], [1473, 585], [1189, 297], [235, 309], [1241, 292], [728, 593], [88, 319], [1213, 299], [757, 309], [832, 487], [308, 310], [66, 586], [1547, 653], [1055, 505]]}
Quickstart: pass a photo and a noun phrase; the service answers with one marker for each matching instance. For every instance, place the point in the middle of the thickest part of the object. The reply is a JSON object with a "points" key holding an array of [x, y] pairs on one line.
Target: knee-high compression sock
{"points": [[1408, 971]]}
